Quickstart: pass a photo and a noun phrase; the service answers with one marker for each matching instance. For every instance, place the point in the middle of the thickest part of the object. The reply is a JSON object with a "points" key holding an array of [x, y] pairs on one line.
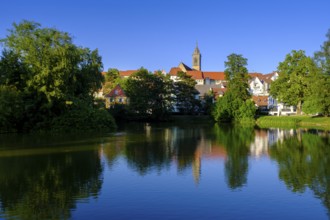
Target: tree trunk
{"points": [[299, 108]]}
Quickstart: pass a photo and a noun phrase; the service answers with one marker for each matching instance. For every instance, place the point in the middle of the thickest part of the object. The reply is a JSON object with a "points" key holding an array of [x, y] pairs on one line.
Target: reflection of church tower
{"points": [[197, 59], [196, 166]]}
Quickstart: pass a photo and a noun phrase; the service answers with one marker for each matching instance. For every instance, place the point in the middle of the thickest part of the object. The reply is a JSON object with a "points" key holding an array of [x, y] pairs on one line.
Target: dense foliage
{"points": [[291, 87], [112, 78], [42, 71], [185, 94], [149, 95], [318, 98], [322, 57], [235, 105]]}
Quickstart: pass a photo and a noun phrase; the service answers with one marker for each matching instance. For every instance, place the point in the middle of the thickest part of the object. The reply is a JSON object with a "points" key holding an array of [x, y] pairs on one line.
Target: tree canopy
{"points": [[318, 96], [51, 64], [236, 103], [322, 57], [291, 87], [48, 69], [149, 95], [185, 94]]}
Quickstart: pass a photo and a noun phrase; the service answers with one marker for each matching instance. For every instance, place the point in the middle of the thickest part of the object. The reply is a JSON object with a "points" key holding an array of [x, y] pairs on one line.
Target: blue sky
{"points": [[159, 34]]}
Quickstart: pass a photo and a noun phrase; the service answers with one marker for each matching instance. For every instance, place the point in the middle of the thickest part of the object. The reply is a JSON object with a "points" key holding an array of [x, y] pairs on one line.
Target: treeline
{"points": [[303, 82], [47, 82], [154, 96]]}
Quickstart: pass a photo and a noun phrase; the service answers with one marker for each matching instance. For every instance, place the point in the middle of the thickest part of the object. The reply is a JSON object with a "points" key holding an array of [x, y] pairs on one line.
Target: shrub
{"points": [[83, 117]]}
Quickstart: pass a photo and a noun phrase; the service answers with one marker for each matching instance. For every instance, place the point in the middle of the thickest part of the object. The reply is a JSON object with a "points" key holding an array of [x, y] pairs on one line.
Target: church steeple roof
{"points": [[196, 51]]}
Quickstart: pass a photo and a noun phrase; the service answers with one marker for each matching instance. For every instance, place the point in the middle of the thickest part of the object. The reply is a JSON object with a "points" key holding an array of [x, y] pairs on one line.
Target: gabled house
{"points": [[261, 102], [259, 84], [127, 73], [116, 96]]}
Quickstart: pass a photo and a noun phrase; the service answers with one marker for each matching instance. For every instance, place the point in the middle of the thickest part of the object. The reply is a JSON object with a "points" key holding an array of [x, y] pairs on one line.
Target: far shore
{"points": [[311, 122]]}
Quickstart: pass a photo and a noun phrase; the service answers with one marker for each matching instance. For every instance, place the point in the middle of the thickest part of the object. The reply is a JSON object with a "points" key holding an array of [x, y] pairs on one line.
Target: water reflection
{"points": [[48, 186], [47, 182], [236, 141], [304, 162]]}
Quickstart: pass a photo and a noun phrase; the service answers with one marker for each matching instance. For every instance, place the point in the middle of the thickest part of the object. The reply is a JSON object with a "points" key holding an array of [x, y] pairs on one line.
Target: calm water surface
{"points": [[167, 172]]}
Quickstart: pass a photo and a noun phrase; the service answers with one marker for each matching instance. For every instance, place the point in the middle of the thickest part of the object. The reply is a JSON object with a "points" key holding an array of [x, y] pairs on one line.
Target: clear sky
{"points": [[159, 34]]}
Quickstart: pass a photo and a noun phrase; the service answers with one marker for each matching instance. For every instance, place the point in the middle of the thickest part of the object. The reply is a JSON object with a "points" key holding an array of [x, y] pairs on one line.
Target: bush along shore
{"points": [[294, 122]]}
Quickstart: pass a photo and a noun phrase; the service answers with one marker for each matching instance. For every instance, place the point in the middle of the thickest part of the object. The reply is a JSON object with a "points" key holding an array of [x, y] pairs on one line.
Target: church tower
{"points": [[197, 59]]}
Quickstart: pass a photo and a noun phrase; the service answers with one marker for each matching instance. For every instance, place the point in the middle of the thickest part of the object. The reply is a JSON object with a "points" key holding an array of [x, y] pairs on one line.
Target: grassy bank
{"points": [[294, 121]]}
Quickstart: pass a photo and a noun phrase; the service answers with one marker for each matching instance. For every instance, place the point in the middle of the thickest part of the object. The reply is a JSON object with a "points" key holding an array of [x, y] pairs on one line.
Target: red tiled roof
{"points": [[174, 71], [256, 74], [117, 91], [260, 100], [214, 75], [127, 72], [195, 74]]}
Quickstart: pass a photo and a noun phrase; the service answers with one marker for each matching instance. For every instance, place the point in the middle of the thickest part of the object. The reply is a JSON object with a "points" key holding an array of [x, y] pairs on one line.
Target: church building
{"points": [[207, 81]]}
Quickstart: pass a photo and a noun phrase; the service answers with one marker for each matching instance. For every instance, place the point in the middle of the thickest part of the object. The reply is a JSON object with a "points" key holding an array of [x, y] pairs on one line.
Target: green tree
{"points": [[56, 68], [322, 57], [208, 102], [48, 69], [112, 78], [291, 87], [235, 104], [12, 71], [148, 94], [185, 94], [10, 108], [237, 76], [318, 97], [247, 110]]}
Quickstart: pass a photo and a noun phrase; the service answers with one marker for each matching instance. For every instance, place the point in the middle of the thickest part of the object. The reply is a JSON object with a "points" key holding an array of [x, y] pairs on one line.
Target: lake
{"points": [[167, 171]]}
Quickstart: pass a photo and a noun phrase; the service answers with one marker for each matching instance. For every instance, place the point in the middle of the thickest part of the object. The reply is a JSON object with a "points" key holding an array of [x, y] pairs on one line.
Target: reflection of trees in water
{"points": [[304, 161], [47, 186], [153, 147], [112, 149], [147, 149], [185, 145], [147, 154], [237, 141]]}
